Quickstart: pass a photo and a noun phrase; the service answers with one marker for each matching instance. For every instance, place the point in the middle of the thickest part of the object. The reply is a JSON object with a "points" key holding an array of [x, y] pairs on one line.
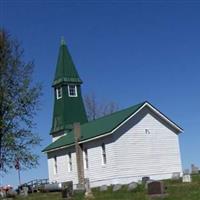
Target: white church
{"points": [[122, 147]]}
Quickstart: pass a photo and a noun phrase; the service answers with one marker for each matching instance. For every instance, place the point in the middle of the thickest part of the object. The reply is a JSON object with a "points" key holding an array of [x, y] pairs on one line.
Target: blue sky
{"points": [[126, 51]]}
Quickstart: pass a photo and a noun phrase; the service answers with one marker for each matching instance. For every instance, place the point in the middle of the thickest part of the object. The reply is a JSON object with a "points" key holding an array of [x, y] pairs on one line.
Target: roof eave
{"points": [[99, 136], [173, 124], [67, 81], [179, 129]]}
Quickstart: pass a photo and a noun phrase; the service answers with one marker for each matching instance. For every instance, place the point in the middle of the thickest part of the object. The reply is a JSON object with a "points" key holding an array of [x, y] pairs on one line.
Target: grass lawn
{"points": [[176, 190]]}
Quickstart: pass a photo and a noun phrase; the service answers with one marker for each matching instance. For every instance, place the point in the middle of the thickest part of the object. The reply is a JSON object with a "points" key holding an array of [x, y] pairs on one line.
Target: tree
{"points": [[19, 101], [94, 109]]}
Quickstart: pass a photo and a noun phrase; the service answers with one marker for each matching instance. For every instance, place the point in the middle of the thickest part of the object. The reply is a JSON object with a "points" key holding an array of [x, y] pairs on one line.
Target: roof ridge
{"points": [[124, 109]]}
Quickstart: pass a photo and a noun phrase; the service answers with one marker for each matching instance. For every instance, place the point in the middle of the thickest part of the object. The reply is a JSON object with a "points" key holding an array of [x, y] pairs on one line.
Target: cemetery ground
{"points": [[175, 188]]}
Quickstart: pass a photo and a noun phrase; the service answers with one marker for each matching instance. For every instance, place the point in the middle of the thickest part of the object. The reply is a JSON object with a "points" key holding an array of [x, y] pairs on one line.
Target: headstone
{"points": [[156, 188], [88, 191], [194, 169], [176, 175], [11, 194], [103, 188], [80, 188], [87, 185], [24, 191], [186, 178], [132, 186], [145, 179], [149, 181], [67, 189], [2, 193], [117, 187]]}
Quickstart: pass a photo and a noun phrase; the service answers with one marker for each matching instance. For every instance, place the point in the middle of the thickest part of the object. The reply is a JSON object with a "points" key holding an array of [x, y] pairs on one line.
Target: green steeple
{"points": [[65, 70], [68, 102]]}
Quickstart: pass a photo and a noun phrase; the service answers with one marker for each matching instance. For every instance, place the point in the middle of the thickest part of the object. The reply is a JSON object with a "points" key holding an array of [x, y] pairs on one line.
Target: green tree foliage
{"points": [[19, 101]]}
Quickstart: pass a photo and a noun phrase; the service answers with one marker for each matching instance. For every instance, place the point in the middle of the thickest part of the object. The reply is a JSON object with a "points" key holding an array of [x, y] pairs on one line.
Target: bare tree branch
{"points": [[94, 109]]}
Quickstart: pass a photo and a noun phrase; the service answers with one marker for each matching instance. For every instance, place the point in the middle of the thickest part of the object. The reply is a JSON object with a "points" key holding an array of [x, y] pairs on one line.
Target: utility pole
{"points": [[79, 156], [83, 184], [17, 167]]}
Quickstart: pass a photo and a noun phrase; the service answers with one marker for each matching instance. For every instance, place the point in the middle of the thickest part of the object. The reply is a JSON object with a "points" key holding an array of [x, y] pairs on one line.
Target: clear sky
{"points": [[126, 51]]}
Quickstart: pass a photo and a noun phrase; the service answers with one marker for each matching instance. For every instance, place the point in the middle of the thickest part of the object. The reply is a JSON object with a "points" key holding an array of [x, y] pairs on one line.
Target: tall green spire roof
{"points": [[68, 108], [65, 69]]}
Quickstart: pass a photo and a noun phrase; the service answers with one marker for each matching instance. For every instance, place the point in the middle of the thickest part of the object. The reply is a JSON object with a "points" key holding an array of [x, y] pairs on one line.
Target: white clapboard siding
{"points": [[97, 172], [131, 153], [63, 173], [154, 153]]}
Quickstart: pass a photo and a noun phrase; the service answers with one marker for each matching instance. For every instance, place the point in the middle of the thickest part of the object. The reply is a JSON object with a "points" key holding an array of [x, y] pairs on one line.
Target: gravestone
{"points": [[146, 184], [11, 193], [155, 188], [87, 185], [145, 179], [186, 178], [80, 188], [194, 169], [103, 188], [132, 186], [67, 189], [2, 193], [117, 187], [88, 191], [24, 191], [176, 175]]}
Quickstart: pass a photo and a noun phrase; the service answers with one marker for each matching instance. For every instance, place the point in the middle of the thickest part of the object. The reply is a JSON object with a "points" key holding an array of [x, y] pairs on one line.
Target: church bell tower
{"points": [[68, 102]]}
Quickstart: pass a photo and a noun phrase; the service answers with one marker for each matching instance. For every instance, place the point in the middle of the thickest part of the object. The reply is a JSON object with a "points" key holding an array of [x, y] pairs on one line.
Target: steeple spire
{"points": [[62, 41], [68, 102], [65, 69]]}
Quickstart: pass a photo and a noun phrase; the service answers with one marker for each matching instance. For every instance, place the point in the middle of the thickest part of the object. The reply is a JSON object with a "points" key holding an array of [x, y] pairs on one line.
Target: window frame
{"points": [[75, 90], [70, 168], [59, 93], [103, 154], [86, 160], [55, 165]]}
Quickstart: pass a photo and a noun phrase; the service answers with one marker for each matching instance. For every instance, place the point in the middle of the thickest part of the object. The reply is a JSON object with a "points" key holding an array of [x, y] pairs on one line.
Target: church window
{"points": [[55, 165], [69, 162], [103, 149], [86, 165], [59, 92], [72, 91]]}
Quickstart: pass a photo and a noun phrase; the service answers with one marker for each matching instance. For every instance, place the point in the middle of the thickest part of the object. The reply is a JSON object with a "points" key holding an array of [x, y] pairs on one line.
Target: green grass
{"points": [[176, 191]]}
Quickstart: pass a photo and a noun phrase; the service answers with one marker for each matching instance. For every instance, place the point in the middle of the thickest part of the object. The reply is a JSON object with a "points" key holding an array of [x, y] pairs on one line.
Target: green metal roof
{"points": [[96, 127], [65, 69]]}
